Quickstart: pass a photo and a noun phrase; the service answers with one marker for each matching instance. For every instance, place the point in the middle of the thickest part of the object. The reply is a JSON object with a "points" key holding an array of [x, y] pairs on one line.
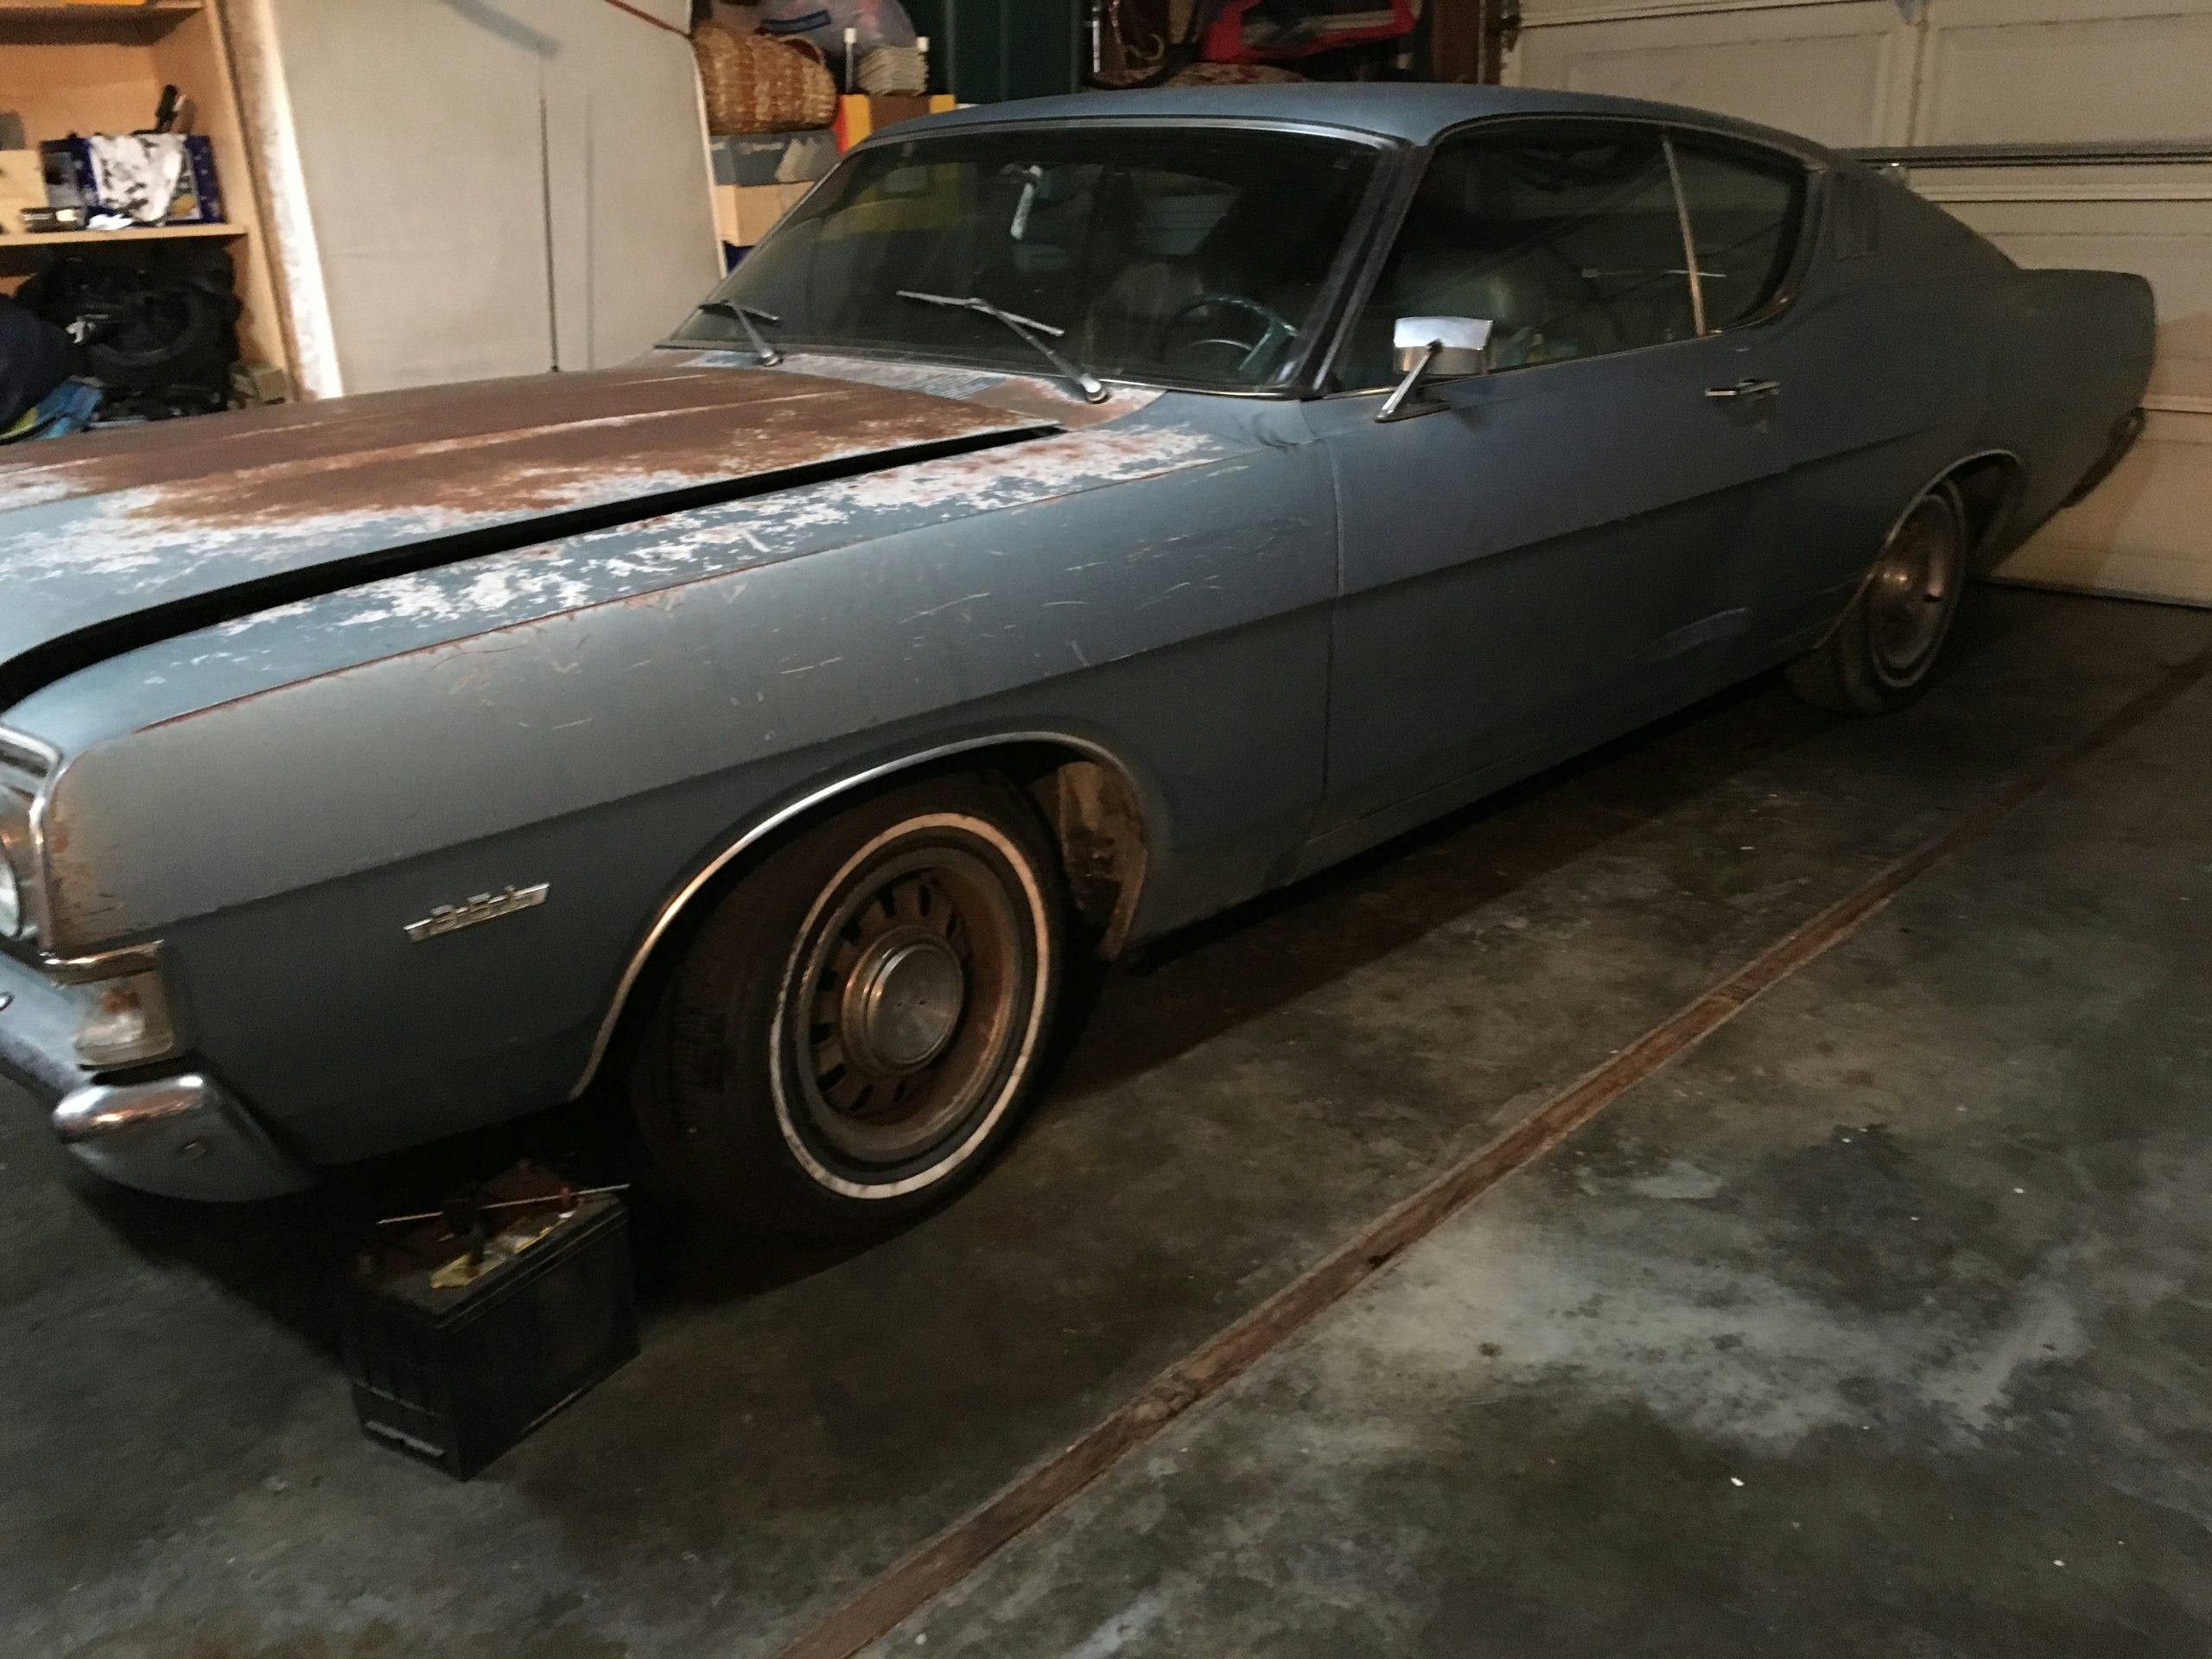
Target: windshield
{"points": [[1191, 255]]}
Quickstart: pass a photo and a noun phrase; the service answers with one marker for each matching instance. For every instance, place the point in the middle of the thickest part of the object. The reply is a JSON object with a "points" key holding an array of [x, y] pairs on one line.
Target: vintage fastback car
{"points": [[1078, 517]]}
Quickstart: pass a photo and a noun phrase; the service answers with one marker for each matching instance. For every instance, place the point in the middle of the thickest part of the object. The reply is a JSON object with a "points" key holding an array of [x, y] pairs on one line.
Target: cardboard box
{"points": [[744, 213], [859, 115], [775, 157], [198, 200]]}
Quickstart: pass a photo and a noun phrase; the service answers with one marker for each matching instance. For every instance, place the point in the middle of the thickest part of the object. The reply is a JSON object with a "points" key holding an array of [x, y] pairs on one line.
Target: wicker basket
{"points": [[895, 72], [754, 84]]}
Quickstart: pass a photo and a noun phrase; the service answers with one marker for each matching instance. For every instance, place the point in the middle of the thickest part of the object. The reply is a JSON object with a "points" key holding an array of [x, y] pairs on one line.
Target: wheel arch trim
{"points": [[2003, 512], [673, 906], [1987, 539]]}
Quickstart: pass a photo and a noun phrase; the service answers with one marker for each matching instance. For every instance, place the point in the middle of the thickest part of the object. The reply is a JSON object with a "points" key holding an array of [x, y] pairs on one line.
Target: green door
{"points": [[988, 51]]}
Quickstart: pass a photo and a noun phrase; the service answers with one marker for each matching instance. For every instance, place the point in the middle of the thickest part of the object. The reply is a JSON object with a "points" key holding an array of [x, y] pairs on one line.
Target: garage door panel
{"points": [[1839, 73], [2167, 242], [2143, 531], [2065, 71]]}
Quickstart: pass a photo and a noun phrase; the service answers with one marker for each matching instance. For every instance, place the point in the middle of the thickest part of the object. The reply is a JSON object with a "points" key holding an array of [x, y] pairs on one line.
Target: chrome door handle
{"points": [[1744, 389]]}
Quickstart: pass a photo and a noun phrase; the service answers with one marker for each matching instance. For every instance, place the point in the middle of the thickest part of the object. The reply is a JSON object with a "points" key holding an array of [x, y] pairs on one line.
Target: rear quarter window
{"points": [[1746, 211]]}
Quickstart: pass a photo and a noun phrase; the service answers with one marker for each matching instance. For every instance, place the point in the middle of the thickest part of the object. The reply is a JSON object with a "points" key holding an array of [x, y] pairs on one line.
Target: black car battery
{"points": [[469, 1328]]}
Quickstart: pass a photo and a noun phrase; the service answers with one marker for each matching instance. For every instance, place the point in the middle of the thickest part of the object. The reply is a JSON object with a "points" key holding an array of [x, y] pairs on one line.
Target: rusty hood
{"points": [[122, 538]]}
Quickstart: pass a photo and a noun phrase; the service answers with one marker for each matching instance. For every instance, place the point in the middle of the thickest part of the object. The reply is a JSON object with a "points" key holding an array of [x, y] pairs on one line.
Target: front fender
{"points": [[281, 842]]}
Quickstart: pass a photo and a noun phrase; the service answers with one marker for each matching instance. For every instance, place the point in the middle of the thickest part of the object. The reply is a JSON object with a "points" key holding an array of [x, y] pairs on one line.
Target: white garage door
{"points": [[2071, 132]]}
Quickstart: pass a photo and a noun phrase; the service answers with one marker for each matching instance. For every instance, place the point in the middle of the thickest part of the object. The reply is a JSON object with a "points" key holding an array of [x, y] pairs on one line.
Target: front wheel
{"points": [[1880, 654], [850, 1034]]}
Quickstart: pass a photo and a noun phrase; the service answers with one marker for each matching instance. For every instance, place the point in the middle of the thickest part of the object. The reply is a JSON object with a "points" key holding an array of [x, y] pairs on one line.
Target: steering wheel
{"points": [[1279, 330]]}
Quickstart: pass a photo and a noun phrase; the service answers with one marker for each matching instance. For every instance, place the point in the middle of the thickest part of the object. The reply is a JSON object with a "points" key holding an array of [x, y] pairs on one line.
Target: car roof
{"points": [[1415, 112]]}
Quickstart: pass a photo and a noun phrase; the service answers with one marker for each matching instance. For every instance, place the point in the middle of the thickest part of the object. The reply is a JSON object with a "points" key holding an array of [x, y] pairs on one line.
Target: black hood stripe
{"points": [[66, 654]]}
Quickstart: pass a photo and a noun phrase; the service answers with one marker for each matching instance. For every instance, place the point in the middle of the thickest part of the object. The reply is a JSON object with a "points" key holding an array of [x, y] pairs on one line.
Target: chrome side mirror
{"points": [[1434, 348]]}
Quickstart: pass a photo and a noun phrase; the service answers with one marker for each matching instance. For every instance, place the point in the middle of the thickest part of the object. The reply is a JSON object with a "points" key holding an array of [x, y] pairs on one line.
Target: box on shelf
{"points": [[859, 115], [775, 157], [72, 180], [23, 184], [746, 212]]}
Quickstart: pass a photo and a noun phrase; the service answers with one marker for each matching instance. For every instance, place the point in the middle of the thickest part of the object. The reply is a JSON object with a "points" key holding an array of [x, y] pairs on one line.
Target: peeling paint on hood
{"points": [[658, 562], [97, 530]]}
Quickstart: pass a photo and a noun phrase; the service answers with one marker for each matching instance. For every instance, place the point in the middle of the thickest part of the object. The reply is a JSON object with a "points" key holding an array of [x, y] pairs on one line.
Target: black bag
{"points": [[35, 358], [160, 336]]}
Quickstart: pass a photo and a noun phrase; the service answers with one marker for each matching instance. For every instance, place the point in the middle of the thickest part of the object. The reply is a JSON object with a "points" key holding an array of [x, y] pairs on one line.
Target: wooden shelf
{"points": [[19, 20], [120, 239], [69, 68]]}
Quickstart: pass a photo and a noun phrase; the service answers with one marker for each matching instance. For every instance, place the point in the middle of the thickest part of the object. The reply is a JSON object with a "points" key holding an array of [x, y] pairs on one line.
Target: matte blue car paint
{"points": [[1568, 551]]}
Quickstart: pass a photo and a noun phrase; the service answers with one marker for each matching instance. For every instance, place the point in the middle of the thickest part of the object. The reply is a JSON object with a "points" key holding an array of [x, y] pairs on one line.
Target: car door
{"points": [[1829, 408], [1556, 550]]}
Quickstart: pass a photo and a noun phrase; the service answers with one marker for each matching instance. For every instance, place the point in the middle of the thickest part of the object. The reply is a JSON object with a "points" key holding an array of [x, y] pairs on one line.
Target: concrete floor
{"points": [[1795, 1259]]}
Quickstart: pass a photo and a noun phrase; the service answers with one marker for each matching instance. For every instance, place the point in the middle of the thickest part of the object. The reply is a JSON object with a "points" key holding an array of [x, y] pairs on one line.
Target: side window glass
{"points": [[1745, 206], [1565, 237]]}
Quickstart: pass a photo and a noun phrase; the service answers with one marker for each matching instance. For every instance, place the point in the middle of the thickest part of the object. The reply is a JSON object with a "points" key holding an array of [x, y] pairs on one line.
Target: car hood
{"points": [[121, 538]]}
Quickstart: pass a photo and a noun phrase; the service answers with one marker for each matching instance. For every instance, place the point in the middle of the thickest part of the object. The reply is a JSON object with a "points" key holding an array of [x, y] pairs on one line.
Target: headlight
{"points": [[15, 861], [129, 1021]]}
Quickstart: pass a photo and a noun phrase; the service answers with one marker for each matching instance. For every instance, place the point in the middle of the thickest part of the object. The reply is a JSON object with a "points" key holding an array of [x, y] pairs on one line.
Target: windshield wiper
{"points": [[743, 317], [1038, 335]]}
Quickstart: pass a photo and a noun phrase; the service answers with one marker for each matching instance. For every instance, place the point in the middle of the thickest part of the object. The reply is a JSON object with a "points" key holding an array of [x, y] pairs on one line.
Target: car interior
{"points": [[1153, 261], [1567, 242]]}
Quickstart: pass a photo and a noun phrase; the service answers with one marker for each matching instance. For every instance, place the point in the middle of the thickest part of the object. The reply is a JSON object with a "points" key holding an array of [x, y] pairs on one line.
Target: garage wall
{"points": [[2071, 132], [464, 188]]}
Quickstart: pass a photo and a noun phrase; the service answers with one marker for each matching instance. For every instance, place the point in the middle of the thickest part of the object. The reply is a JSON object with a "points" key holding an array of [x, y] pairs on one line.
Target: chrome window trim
{"points": [[1289, 391], [1812, 223], [1688, 236], [1297, 384], [676, 902], [891, 135]]}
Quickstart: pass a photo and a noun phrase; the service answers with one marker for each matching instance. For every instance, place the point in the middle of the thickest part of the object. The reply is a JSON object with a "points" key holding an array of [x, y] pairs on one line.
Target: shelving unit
{"points": [[32, 246], [87, 68], [141, 22]]}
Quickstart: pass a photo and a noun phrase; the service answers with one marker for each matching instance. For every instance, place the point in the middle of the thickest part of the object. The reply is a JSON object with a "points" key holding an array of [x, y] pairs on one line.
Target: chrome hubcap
{"points": [[906, 996], [1908, 601], [903, 1001]]}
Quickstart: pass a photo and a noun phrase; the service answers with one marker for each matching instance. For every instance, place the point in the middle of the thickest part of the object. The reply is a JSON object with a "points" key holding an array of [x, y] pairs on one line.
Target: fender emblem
{"points": [[484, 907]]}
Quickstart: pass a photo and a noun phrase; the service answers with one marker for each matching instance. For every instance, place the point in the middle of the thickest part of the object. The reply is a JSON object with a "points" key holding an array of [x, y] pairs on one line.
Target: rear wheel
{"points": [[1880, 655], [850, 1035]]}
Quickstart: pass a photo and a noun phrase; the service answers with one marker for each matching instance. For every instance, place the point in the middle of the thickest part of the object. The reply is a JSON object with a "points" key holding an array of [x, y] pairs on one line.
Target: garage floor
{"points": [[1913, 1248]]}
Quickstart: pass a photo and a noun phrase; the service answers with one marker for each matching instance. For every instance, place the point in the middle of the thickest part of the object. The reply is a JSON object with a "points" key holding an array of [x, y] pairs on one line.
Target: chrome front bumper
{"points": [[183, 1136]]}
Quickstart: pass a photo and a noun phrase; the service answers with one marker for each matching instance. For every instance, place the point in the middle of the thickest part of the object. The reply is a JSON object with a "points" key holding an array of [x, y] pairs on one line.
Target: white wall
{"points": [[482, 187]]}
